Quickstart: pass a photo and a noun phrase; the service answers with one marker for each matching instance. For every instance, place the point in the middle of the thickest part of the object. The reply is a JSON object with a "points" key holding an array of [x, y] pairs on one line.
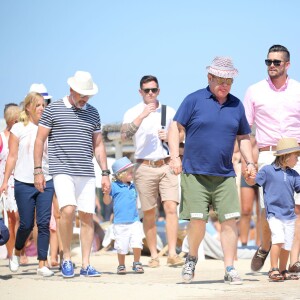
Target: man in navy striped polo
{"points": [[73, 129]]}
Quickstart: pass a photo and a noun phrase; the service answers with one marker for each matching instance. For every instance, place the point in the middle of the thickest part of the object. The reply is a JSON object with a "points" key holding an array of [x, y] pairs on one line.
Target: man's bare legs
{"points": [[150, 231], [196, 233], [265, 231], [66, 229], [170, 208], [86, 236], [294, 256], [229, 237]]}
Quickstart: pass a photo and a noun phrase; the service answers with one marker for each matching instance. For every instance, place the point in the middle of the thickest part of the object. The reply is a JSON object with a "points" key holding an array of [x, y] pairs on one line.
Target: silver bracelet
{"points": [[38, 173]]}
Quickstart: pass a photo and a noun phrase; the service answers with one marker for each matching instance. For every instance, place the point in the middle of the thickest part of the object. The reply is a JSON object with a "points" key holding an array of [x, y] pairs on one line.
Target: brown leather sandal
{"points": [[275, 276], [287, 276]]}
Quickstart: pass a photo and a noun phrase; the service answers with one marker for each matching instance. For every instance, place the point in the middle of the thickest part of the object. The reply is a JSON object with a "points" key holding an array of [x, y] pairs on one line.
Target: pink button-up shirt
{"points": [[276, 112]]}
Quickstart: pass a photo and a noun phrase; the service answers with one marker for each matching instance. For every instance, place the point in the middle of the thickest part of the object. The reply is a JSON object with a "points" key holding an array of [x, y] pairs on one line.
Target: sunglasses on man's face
{"points": [[275, 62], [83, 96], [221, 80], [153, 90]]}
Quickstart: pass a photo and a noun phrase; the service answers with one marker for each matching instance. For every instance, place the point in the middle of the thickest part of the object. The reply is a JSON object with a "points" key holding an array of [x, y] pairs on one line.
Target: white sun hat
{"points": [[41, 89], [83, 84], [222, 66]]}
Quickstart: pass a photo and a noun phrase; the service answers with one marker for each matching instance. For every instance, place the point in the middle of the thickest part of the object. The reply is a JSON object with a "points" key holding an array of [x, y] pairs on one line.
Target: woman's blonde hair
{"points": [[31, 99], [11, 112]]}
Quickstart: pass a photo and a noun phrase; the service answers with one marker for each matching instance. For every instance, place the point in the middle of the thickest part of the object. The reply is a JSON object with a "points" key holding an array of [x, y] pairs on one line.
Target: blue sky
{"points": [[119, 41]]}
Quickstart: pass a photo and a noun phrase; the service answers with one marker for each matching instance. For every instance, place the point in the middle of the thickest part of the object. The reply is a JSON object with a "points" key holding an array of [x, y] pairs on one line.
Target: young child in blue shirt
{"points": [[127, 226], [280, 182]]}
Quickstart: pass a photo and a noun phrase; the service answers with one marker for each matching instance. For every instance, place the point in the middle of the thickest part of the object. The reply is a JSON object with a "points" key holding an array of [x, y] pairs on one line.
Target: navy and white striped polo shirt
{"points": [[70, 139]]}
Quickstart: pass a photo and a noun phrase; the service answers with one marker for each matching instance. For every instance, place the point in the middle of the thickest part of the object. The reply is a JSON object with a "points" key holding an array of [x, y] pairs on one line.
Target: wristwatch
{"points": [[251, 163], [105, 172]]}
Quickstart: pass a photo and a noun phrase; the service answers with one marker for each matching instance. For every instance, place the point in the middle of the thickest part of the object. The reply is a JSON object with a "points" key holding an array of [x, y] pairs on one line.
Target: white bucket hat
{"points": [[83, 84], [222, 66], [41, 89]]}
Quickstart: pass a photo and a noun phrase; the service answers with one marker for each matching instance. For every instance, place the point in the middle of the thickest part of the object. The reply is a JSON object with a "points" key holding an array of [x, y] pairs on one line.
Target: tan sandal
{"points": [[275, 276], [287, 276], [153, 262]]}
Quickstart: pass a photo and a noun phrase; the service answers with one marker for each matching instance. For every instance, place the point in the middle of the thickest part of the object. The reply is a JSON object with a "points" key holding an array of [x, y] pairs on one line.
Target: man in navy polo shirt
{"points": [[211, 119]]}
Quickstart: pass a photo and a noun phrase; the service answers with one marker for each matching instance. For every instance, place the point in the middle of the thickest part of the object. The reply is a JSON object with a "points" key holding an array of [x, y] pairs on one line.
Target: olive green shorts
{"points": [[198, 192]]}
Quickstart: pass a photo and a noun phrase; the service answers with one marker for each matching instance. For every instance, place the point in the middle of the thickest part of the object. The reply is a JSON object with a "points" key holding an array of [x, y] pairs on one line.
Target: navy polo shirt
{"points": [[211, 130], [279, 187]]}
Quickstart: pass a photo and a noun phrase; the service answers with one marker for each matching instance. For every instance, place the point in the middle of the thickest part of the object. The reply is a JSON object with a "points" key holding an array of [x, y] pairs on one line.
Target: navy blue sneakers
{"points": [[67, 269], [89, 272]]}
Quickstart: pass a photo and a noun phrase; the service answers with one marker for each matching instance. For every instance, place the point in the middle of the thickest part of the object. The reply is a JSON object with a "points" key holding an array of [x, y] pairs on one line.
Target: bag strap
{"points": [[163, 115], [3, 200]]}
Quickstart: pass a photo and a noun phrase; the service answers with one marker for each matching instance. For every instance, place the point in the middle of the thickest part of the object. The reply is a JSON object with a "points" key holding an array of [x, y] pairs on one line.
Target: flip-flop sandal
{"points": [[121, 270], [138, 268], [277, 277], [287, 276]]}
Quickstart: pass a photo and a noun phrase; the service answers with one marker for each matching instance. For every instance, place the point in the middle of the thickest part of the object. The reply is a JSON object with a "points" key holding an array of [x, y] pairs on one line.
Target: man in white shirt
{"points": [[153, 176]]}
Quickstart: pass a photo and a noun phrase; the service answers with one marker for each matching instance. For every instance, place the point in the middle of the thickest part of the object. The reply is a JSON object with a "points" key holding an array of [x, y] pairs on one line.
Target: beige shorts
{"points": [[151, 181], [78, 191]]}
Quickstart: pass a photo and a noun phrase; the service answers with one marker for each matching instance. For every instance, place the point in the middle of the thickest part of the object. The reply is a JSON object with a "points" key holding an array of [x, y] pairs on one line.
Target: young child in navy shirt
{"points": [[280, 182], [127, 226]]}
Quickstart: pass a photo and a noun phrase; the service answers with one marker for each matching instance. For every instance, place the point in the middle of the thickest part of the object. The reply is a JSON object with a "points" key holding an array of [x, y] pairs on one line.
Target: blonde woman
{"points": [[29, 199], [11, 116]]}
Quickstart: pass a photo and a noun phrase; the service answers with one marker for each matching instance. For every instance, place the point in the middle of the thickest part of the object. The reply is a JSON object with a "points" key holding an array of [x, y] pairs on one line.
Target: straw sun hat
{"points": [[83, 84], [222, 66], [286, 146]]}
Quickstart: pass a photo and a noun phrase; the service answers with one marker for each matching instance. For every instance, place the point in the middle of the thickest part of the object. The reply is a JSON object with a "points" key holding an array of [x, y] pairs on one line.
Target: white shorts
{"points": [[266, 158], [282, 232], [78, 191], [128, 236]]}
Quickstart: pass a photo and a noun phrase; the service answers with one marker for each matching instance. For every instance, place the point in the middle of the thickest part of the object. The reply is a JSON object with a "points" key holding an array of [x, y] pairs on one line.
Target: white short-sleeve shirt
{"points": [[146, 140]]}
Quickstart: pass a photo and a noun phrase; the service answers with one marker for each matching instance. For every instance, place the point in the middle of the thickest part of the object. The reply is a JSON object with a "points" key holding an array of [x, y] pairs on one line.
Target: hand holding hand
{"points": [[175, 165], [106, 185]]}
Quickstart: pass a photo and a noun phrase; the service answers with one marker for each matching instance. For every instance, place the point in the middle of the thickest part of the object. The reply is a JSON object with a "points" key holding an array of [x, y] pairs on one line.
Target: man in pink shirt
{"points": [[273, 104]]}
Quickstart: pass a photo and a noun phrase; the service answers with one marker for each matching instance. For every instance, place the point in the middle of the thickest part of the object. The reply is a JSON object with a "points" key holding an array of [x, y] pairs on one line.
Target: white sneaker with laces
{"points": [[14, 263], [233, 277], [44, 271], [188, 270]]}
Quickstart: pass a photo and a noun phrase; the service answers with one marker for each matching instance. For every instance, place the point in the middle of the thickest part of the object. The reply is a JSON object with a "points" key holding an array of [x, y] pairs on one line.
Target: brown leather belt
{"points": [[154, 163], [268, 148]]}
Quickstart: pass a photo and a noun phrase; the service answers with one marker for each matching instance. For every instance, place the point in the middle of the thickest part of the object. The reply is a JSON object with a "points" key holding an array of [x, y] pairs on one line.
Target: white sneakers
{"points": [[14, 263], [44, 271]]}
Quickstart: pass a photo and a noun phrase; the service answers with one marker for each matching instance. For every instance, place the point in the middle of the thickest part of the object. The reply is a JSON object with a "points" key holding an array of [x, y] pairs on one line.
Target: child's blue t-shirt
{"points": [[124, 202], [279, 187]]}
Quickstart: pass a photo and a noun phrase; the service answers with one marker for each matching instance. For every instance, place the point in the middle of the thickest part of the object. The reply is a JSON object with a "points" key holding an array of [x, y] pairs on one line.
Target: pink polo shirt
{"points": [[276, 112]]}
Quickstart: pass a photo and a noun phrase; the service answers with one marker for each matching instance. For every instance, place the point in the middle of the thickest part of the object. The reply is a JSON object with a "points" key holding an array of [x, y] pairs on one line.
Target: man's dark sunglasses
{"points": [[154, 90], [276, 62]]}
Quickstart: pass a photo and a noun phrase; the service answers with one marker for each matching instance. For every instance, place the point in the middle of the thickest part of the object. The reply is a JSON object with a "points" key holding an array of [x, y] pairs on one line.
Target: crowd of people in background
{"points": [[240, 160]]}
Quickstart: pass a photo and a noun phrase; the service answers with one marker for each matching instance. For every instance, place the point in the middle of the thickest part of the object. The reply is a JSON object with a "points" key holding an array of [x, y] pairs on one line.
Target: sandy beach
{"points": [[160, 283]]}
